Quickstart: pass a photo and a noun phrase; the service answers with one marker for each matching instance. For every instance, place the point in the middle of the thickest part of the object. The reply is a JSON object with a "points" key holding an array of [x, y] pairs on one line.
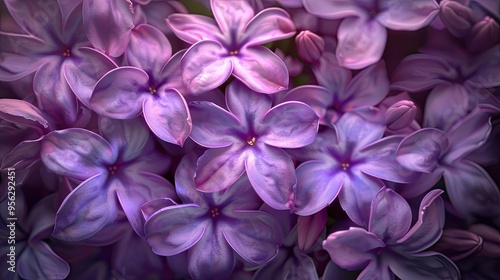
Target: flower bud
{"points": [[491, 240], [483, 35], [400, 114], [309, 228], [309, 46], [456, 17], [458, 244]]}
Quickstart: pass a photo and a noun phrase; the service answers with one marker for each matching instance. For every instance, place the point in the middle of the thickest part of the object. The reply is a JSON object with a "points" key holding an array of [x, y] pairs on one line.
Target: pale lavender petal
{"points": [[376, 270], [269, 25], [205, 66], [318, 97], [254, 235], [317, 187], [428, 265], [83, 72], [148, 49], [446, 105], [361, 42], [272, 174], [156, 12], [170, 73], [167, 115], [261, 70], [352, 249], [120, 93], [15, 59], [429, 226], [422, 150], [421, 185], [107, 25], [153, 206], [333, 9], [390, 215], [38, 261], [175, 229], [323, 70], [310, 228], [240, 196], [231, 14], [25, 155], [76, 153], [86, 210], [213, 127], [290, 125], [218, 169], [184, 183], [21, 112], [471, 190], [193, 28], [367, 88], [407, 14], [248, 106], [37, 18], [352, 127]]}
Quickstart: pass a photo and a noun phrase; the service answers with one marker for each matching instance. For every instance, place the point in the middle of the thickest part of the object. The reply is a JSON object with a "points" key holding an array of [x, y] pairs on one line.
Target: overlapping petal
{"points": [[269, 25], [407, 14], [194, 28], [38, 261]]}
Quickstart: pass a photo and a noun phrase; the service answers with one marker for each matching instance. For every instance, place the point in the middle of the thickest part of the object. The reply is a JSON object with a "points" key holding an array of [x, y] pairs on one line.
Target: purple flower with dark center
{"points": [[390, 246], [249, 139], [150, 85], [350, 162], [362, 34], [117, 170], [213, 227], [230, 45], [338, 92]]}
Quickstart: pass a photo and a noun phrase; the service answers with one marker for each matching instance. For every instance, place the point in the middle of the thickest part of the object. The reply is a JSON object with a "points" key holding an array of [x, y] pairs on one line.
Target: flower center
{"points": [[251, 142], [345, 166], [235, 52], [67, 53], [112, 169], [214, 212], [152, 90]]}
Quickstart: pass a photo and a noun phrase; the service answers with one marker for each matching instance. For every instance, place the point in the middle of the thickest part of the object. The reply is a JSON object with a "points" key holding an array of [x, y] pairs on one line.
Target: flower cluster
{"points": [[250, 139]]}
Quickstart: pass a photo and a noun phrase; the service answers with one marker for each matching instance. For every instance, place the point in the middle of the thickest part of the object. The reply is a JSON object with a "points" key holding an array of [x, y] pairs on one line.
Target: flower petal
{"points": [[148, 49], [184, 182], [353, 127], [193, 28], [323, 70], [248, 106], [231, 15], [390, 215], [261, 70], [21, 112], [290, 125], [205, 66], [445, 106], [367, 88], [119, 94], [38, 261], [41, 19], [272, 174], [175, 229], [407, 14], [333, 9], [24, 155], [168, 116], [428, 265], [361, 43], [86, 210], [318, 97], [254, 235], [213, 127], [269, 25], [76, 153], [310, 228]]}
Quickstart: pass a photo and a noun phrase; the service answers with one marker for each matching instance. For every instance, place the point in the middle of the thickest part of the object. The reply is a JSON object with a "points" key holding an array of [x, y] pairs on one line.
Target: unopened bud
{"points": [[483, 35], [400, 114], [456, 17], [310, 228], [309, 46], [458, 244], [491, 240]]}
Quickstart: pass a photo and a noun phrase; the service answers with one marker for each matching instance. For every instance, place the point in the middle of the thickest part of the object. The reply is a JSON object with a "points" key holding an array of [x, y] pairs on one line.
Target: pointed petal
{"points": [[240, 196], [76, 153], [86, 210], [38, 261], [231, 15], [148, 49], [24, 155], [184, 182], [352, 249], [428, 265], [247, 105], [424, 183], [272, 174], [120, 93], [407, 14], [254, 235], [153, 206], [445, 106], [21, 112], [421, 150], [376, 270], [175, 229], [168, 116], [261, 70], [107, 25], [290, 125], [352, 127], [192, 28], [323, 70], [367, 88], [333, 9], [318, 97], [310, 228], [317, 187], [303, 267], [218, 169], [471, 190], [205, 66], [213, 127], [429, 226], [41, 19], [269, 25], [361, 43], [390, 215]]}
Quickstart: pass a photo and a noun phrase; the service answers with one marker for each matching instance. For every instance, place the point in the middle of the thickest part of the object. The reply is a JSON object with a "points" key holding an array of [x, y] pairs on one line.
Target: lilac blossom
{"points": [[348, 161], [362, 34], [248, 138], [149, 85], [213, 227], [338, 92], [117, 170], [230, 45], [391, 246]]}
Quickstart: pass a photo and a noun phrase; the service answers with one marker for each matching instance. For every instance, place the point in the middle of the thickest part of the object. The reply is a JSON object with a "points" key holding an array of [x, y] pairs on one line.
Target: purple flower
{"points": [[212, 227], [390, 246], [249, 139], [120, 170], [230, 45], [149, 86], [362, 34], [350, 162]]}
